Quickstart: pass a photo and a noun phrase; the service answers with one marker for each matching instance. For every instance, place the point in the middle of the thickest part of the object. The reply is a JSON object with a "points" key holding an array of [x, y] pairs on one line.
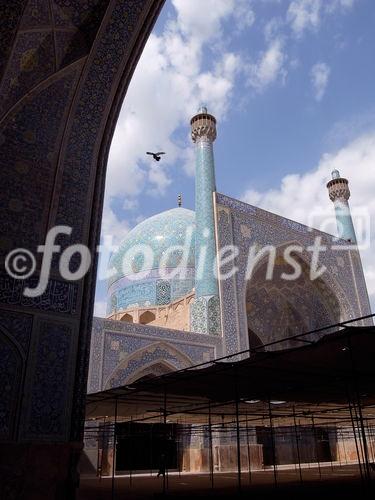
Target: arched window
{"points": [[127, 317], [146, 317]]}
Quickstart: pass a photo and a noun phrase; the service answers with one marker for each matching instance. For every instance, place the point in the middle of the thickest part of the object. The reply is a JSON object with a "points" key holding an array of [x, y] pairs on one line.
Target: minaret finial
{"points": [[203, 126], [179, 200]]}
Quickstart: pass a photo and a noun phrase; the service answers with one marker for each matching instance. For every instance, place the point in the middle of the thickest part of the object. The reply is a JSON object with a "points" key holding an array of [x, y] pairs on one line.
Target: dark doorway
{"points": [[313, 445], [324, 441], [140, 446]]}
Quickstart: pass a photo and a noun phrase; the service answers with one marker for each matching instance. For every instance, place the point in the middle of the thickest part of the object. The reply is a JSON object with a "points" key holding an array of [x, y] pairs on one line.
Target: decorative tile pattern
{"points": [[59, 296], [279, 308], [29, 139], [206, 285], [122, 34], [257, 304], [49, 383], [33, 62], [11, 14], [198, 316], [205, 315], [15, 336], [228, 287], [163, 292], [151, 355], [142, 346], [11, 370], [213, 316], [18, 327], [36, 15], [63, 76], [164, 234], [96, 93]]}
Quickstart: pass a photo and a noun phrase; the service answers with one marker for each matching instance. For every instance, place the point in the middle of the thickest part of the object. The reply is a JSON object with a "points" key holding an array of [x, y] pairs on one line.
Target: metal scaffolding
{"points": [[312, 410]]}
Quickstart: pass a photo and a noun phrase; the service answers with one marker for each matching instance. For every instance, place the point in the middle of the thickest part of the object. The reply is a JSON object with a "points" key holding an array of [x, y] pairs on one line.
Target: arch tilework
{"points": [[243, 225]]}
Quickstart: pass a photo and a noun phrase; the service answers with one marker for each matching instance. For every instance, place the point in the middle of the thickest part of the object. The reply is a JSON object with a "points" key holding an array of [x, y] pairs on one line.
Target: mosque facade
{"points": [[189, 287], [172, 303]]}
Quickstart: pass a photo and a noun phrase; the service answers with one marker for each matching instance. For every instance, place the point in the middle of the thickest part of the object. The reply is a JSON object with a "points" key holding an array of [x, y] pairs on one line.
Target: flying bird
{"points": [[156, 156]]}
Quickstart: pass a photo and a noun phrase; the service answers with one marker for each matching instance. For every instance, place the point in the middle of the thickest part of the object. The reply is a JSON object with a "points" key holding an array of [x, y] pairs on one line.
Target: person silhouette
{"points": [[161, 471]]}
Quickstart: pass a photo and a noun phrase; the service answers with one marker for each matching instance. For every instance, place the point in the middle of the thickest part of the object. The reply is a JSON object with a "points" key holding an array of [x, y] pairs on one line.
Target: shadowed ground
{"points": [[336, 482]]}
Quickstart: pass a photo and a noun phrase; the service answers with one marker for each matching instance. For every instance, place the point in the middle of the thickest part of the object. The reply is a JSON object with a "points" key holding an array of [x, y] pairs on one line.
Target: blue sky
{"points": [[291, 83]]}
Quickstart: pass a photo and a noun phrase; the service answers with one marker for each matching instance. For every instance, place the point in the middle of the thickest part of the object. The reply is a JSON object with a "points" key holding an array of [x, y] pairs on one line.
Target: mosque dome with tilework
{"points": [[135, 268]]}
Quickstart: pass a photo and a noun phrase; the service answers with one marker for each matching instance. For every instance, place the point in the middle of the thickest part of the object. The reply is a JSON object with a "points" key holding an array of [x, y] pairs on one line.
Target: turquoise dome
{"points": [[136, 278]]}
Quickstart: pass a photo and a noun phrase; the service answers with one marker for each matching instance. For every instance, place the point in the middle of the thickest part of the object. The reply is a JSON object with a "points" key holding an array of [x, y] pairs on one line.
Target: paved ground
{"points": [[335, 482]]}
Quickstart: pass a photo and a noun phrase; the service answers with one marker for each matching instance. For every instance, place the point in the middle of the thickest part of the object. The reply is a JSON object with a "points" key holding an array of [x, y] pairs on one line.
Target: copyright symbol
{"points": [[20, 263]]}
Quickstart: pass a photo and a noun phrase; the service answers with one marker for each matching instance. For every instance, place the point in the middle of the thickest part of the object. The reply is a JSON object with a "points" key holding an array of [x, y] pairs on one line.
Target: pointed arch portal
{"points": [[279, 308]]}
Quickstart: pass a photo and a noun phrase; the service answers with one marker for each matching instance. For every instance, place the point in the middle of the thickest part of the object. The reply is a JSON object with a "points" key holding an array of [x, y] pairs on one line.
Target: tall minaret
{"points": [[205, 311], [339, 193]]}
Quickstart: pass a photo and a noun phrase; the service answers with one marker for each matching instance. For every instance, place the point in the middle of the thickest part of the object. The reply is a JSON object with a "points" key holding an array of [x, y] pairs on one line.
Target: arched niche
{"points": [[147, 317], [144, 361], [279, 308], [128, 318], [150, 371]]}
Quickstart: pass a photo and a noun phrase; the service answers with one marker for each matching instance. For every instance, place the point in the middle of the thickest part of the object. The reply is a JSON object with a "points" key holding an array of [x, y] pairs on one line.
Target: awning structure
{"points": [[323, 380]]}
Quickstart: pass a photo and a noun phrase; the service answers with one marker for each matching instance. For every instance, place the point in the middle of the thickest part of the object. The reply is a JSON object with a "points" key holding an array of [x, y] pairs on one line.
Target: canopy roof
{"points": [[317, 380]]}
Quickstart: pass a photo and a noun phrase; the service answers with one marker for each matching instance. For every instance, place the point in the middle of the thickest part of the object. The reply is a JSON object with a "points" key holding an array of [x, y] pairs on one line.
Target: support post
{"points": [[316, 446], [114, 453], [130, 453], [272, 443], [356, 442], [165, 475], [248, 449], [297, 445], [210, 445], [238, 446]]}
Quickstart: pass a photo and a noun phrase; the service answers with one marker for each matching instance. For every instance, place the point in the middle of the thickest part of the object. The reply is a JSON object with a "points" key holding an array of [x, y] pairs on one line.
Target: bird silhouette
{"points": [[156, 156]]}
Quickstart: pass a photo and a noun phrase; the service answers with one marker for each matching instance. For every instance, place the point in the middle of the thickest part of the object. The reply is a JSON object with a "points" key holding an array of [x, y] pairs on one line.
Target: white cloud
{"points": [[334, 5], [345, 131], [171, 80], [272, 28], [202, 20], [112, 226], [100, 308], [168, 85], [130, 204], [306, 15], [159, 179], [269, 67], [113, 231], [319, 78], [244, 14], [299, 194]]}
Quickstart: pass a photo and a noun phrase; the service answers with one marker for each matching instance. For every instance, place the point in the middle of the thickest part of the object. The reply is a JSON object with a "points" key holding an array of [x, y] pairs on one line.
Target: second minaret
{"points": [[339, 194]]}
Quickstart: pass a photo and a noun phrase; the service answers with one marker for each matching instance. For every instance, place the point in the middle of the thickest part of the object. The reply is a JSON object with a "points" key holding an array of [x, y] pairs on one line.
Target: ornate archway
{"points": [[278, 308], [154, 369], [146, 361]]}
